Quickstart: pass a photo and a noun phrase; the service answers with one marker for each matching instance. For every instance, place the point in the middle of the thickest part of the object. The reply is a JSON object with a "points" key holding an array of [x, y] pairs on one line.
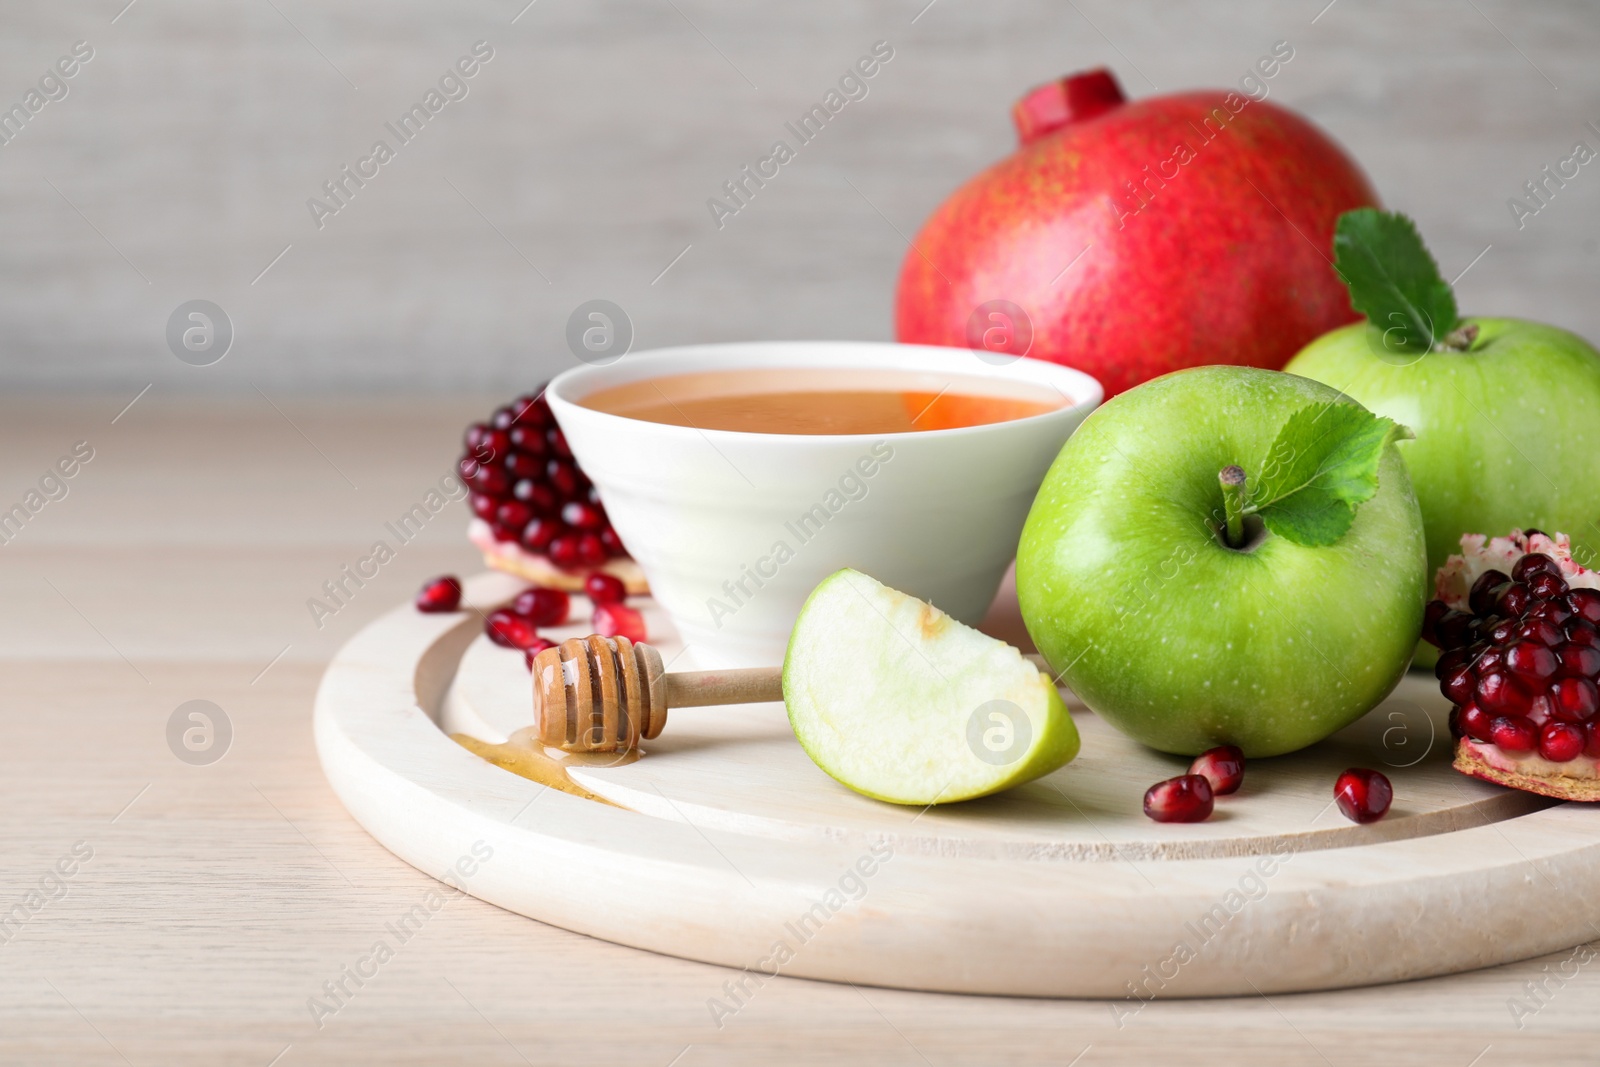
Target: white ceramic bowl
{"points": [[716, 517]]}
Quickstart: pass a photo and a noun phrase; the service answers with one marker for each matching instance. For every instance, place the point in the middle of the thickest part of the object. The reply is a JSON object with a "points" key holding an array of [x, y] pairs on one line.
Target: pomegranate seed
{"points": [[1450, 662], [1585, 603], [1513, 600], [1513, 733], [1548, 586], [536, 495], [1222, 766], [486, 479], [543, 607], [1583, 632], [475, 435], [1186, 798], [523, 465], [563, 551], [1460, 687], [613, 543], [529, 440], [509, 629], [1561, 741], [1555, 610], [1528, 660], [1451, 630], [483, 505], [1574, 699], [563, 477], [530, 409], [1364, 796], [514, 515], [1578, 661], [538, 646], [537, 535], [1591, 740], [618, 620], [591, 551], [558, 442], [495, 445], [503, 418], [1499, 695], [502, 532], [1540, 631], [1502, 633], [1474, 722], [1485, 589], [581, 515], [1430, 620], [440, 594], [605, 588], [1492, 660], [1533, 564]]}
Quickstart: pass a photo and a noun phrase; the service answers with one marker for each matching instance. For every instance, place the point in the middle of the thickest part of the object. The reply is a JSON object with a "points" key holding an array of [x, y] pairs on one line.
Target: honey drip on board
{"points": [[524, 756]]}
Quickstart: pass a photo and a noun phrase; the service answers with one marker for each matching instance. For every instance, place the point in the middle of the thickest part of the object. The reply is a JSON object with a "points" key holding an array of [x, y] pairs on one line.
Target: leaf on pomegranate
{"points": [[1323, 465], [1392, 278]]}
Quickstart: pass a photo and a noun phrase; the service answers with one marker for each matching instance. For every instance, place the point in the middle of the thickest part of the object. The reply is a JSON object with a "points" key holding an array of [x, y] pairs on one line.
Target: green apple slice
{"points": [[898, 701]]}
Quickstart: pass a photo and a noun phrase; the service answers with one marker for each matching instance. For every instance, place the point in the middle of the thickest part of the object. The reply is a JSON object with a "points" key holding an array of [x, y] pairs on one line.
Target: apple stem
{"points": [[1460, 339], [1232, 479]]}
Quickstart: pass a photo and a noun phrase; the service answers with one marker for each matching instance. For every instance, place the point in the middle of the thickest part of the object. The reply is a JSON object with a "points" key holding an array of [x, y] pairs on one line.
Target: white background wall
{"points": [[180, 164]]}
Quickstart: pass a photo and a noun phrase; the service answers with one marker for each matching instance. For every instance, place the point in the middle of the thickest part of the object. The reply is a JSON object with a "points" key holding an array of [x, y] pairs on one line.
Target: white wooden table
{"points": [[220, 898]]}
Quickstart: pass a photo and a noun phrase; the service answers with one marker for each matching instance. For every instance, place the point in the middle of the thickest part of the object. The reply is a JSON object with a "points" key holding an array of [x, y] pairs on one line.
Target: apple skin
{"points": [[882, 689], [1181, 642], [1226, 262], [1508, 432]]}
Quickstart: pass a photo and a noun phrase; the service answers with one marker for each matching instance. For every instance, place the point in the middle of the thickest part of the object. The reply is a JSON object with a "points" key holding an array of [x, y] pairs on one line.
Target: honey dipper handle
{"points": [[752, 685]]}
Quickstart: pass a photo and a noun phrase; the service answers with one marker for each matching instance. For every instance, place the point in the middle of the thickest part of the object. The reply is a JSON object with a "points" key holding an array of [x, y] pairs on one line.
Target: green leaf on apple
{"points": [[1322, 466], [1393, 280]]}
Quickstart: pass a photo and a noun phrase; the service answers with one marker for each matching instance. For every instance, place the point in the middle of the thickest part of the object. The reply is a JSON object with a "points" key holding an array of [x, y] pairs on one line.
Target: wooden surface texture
{"points": [[220, 898]]}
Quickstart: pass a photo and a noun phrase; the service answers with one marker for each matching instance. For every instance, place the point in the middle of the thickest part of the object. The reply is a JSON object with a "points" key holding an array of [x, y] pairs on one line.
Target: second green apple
{"points": [[1227, 556]]}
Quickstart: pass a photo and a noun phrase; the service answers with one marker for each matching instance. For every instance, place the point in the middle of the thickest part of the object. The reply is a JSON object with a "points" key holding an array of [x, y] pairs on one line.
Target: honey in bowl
{"points": [[819, 400]]}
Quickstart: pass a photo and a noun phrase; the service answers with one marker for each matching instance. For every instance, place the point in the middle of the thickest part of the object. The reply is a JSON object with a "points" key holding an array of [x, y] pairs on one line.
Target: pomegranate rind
{"points": [[512, 558], [1562, 787], [1480, 553]]}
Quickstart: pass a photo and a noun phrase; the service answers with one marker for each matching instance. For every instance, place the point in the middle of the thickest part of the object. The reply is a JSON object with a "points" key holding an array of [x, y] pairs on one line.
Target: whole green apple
{"points": [[1507, 429], [1187, 618]]}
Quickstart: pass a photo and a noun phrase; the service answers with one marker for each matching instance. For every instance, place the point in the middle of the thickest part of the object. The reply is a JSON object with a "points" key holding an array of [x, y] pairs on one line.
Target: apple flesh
{"points": [[898, 701], [1180, 641], [1507, 432]]}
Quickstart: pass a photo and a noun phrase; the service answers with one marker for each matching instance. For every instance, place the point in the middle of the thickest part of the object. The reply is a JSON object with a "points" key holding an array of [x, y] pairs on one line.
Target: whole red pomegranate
{"points": [[1132, 239]]}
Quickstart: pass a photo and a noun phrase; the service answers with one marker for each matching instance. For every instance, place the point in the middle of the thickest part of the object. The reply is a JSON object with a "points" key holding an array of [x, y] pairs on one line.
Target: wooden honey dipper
{"points": [[605, 694]]}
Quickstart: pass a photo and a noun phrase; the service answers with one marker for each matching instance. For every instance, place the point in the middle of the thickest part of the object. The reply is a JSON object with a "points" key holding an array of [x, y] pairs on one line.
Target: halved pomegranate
{"points": [[534, 514], [1517, 621]]}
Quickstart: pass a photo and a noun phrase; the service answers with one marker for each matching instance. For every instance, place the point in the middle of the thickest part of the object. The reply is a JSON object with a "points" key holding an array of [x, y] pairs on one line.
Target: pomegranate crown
{"points": [[1074, 98]]}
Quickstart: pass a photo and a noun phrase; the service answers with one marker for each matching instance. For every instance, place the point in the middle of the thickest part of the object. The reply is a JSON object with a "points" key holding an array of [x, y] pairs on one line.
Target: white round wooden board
{"points": [[730, 846]]}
